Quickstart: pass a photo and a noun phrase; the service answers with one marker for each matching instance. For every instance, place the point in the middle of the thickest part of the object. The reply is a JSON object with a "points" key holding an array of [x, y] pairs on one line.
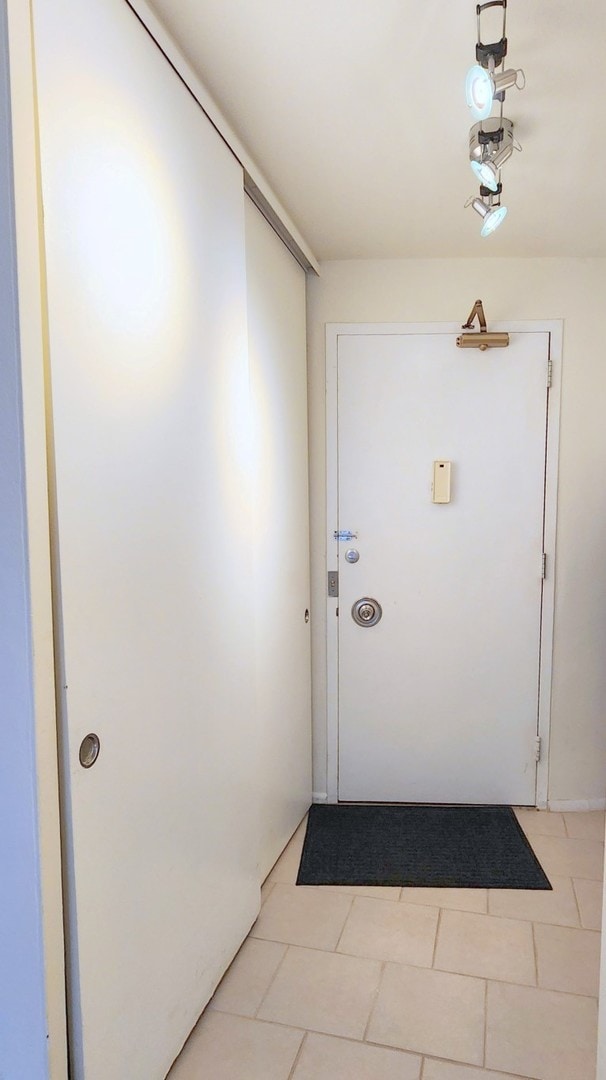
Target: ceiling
{"points": [[355, 113]]}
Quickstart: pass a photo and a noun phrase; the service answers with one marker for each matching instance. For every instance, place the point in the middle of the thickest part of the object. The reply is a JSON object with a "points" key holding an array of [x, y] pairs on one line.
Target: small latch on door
{"points": [[89, 750], [333, 583]]}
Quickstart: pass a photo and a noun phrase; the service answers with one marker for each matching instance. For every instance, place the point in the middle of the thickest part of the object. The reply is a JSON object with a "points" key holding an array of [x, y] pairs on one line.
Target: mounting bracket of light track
{"points": [[498, 50]]}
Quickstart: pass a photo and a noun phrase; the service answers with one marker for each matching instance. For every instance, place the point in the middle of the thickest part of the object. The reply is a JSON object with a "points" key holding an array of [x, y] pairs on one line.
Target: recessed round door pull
{"points": [[366, 612], [89, 750]]}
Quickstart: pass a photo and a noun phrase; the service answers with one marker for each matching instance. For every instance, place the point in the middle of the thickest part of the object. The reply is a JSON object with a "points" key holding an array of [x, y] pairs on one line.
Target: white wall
{"points": [[278, 377], [23, 1006], [601, 1063], [444, 290]]}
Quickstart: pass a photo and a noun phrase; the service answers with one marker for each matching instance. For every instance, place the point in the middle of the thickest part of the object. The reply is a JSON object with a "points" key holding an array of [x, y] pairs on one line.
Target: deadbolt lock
{"points": [[366, 612]]}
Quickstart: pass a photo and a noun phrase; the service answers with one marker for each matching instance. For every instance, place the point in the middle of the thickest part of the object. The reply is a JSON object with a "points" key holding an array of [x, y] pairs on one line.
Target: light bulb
{"points": [[492, 216], [479, 92], [493, 219], [481, 87], [486, 174]]}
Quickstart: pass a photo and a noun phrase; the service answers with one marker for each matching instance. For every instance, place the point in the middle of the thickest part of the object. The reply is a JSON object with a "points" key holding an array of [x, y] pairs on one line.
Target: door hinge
{"points": [[537, 748], [543, 565], [549, 373], [333, 583]]}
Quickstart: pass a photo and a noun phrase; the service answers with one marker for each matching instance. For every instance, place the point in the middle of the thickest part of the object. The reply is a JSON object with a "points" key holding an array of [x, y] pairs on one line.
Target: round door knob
{"points": [[352, 555], [366, 612]]}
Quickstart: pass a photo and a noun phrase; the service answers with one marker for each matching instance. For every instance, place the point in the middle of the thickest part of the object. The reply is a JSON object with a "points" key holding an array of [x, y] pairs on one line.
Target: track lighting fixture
{"points": [[491, 141]]}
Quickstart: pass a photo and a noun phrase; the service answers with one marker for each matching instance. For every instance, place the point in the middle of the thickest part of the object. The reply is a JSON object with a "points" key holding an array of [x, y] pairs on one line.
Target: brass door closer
{"points": [[485, 339]]}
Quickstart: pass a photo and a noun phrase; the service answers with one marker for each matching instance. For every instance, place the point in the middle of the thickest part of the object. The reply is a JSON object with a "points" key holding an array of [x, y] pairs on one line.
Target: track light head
{"points": [[492, 216], [483, 86], [478, 92], [491, 144], [487, 169], [485, 172]]}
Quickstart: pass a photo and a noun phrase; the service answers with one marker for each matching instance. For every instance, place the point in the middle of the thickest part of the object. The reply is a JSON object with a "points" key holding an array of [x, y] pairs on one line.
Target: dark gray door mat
{"points": [[460, 847]]}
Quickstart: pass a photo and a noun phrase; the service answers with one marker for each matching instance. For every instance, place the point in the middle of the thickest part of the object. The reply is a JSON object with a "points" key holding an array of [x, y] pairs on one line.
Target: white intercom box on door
{"points": [[440, 488]]}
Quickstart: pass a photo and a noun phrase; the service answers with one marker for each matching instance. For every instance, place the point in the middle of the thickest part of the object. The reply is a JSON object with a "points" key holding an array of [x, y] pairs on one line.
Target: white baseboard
{"points": [[577, 804], [567, 805]]}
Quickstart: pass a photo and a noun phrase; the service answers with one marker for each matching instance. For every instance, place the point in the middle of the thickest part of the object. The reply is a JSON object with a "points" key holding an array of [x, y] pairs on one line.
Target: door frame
{"points": [[30, 304], [554, 328]]}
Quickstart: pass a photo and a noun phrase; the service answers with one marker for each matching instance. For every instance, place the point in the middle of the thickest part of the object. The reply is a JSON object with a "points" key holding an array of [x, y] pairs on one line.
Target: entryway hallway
{"points": [[337, 983]]}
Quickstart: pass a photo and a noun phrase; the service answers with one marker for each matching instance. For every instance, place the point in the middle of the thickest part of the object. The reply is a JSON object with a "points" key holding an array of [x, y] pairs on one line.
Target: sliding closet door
{"points": [[278, 376], [144, 235]]}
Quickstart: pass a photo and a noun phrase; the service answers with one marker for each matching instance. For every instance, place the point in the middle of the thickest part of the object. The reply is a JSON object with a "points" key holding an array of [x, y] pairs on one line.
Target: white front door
{"points": [[438, 701]]}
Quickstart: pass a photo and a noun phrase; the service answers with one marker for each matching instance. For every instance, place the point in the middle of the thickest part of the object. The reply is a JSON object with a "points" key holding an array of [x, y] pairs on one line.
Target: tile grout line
{"points": [[536, 955], [416, 967], [401, 1051], [375, 1000], [334, 891], [424, 967], [435, 940], [514, 918], [576, 900], [272, 980], [580, 877], [345, 921], [485, 1023], [314, 948], [468, 1065], [405, 1051], [486, 914], [298, 1055]]}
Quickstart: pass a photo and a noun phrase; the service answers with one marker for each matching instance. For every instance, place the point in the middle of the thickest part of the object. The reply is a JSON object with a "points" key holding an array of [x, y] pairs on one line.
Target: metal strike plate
{"points": [[333, 583]]}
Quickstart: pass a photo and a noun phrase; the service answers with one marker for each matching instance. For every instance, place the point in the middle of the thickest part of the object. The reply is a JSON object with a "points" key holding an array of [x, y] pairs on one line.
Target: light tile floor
{"points": [[416, 984]]}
